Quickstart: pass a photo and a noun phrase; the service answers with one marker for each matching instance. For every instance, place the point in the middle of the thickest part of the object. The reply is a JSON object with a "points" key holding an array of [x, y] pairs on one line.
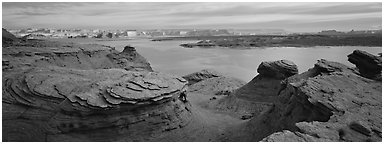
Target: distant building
{"points": [[365, 32], [131, 33], [96, 31], [183, 33]]}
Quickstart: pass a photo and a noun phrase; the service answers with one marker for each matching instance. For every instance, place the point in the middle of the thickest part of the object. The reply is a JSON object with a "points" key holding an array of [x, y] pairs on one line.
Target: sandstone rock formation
{"points": [[278, 69], [261, 92], [329, 102], [201, 75], [54, 91], [210, 90], [53, 104], [129, 59], [216, 86], [368, 65], [71, 55]]}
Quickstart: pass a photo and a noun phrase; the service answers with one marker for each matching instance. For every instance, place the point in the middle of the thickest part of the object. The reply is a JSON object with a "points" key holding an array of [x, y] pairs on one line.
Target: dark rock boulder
{"points": [[277, 69], [368, 65], [8, 38], [60, 104], [201, 75], [129, 49]]}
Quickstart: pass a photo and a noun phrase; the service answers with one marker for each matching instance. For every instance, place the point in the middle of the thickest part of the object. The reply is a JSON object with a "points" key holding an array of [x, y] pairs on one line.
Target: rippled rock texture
{"points": [[201, 75], [57, 91], [54, 104]]}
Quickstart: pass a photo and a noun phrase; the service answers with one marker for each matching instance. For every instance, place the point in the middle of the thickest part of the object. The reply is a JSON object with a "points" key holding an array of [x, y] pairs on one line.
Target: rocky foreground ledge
{"points": [[54, 91], [330, 102], [49, 104]]}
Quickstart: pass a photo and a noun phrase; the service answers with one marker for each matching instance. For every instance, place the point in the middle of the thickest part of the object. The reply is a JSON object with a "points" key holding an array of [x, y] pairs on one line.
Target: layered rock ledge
{"points": [[72, 55], [256, 96], [278, 69], [330, 102], [57, 91], [201, 75], [57, 103]]}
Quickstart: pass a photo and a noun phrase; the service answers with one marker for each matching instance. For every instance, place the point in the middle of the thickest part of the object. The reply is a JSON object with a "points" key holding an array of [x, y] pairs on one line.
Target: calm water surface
{"points": [[169, 57]]}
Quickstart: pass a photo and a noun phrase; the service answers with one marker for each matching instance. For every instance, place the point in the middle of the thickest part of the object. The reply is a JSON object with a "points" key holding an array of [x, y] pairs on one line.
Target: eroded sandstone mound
{"points": [[201, 75], [59, 104], [261, 92], [209, 87], [56, 91], [329, 102], [72, 55], [277, 69], [216, 86], [335, 107]]}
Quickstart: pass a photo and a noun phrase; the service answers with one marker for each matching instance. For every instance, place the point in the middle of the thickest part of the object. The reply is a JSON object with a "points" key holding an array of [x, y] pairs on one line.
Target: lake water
{"points": [[169, 57]]}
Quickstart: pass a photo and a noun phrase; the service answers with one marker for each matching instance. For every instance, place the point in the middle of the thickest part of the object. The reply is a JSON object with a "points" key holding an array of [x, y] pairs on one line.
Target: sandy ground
{"points": [[206, 124]]}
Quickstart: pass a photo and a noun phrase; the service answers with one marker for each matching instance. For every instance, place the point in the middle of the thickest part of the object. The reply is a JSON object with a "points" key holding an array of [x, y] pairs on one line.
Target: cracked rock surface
{"points": [[56, 103], [60, 102], [54, 91]]}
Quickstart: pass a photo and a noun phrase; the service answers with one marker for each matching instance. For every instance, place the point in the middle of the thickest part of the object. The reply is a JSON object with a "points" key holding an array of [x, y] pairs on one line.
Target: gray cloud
{"points": [[291, 16], [301, 8], [348, 9]]}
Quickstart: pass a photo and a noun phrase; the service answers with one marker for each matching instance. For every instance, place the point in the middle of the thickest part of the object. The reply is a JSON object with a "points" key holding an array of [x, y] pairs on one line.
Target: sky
{"points": [[294, 17]]}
